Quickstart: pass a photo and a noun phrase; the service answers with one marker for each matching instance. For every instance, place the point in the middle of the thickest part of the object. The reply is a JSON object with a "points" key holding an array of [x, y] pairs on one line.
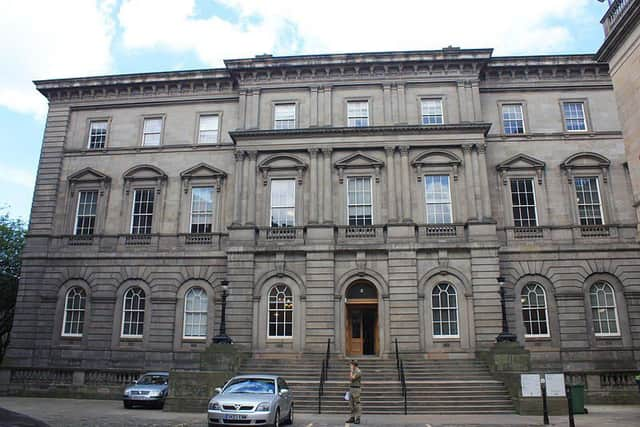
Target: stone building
{"points": [[360, 198], [621, 49]]}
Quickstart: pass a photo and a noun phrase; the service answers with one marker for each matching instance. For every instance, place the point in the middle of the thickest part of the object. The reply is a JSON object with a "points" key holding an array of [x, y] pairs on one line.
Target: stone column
{"points": [[327, 185], [242, 109], [386, 96], [406, 189], [237, 197], [391, 184], [251, 202], [313, 185], [468, 180], [476, 184], [313, 107], [484, 182], [402, 104]]}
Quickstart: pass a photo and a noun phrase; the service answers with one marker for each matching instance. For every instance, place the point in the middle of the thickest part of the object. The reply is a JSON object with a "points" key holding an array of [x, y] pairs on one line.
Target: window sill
{"points": [[276, 339], [190, 340], [131, 339], [444, 339]]}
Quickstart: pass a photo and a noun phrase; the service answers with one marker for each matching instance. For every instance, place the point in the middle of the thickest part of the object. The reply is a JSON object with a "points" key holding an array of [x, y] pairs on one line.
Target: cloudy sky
{"points": [[42, 39]]}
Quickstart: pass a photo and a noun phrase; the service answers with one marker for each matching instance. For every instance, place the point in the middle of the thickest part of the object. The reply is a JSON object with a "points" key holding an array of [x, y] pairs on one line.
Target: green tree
{"points": [[12, 235]]}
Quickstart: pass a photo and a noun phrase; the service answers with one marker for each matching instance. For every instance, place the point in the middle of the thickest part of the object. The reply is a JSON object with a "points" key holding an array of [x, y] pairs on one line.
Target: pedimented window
{"points": [[359, 161], [282, 166], [521, 165], [436, 160]]}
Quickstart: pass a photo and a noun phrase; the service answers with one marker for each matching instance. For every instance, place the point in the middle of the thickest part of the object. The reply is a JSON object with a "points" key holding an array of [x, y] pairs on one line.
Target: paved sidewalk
{"points": [[77, 412]]}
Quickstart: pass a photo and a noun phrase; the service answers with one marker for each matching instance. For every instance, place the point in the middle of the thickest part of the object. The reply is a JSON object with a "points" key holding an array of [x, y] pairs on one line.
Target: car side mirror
{"points": [[218, 390], [284, 391]]}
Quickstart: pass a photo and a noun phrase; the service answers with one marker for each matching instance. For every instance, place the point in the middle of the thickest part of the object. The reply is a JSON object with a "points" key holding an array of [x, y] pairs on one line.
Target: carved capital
{"points": [[327, 151], [313, 151], [253, 155], [239, 155], [466, 148], [482, 148], [404, 150], [390, 149]]}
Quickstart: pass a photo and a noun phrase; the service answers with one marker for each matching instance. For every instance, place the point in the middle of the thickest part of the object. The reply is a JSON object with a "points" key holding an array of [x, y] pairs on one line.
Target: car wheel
{"points": [[276, 420], [160, 404], [289, 419], [127, 405]]}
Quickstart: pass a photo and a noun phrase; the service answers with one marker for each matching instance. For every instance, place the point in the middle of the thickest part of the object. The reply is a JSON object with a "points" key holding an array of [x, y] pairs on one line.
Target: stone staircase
{"points": [[433, 386]]}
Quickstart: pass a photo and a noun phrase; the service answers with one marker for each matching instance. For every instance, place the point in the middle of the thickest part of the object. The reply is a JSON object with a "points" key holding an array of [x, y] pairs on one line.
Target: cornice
{"points": [[481, 128], [619, 32]]}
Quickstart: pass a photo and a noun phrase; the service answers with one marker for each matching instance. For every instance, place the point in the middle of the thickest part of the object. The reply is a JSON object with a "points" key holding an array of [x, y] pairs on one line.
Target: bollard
{"points": [[572, 423], [545, 411]]}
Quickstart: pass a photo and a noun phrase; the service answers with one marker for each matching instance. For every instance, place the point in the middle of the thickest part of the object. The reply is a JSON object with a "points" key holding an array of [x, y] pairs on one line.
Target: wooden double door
{"points": [[362, 329]]}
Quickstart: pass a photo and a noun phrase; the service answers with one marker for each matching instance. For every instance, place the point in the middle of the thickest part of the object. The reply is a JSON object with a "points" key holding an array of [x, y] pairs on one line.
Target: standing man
{"points": [[354, 390]]}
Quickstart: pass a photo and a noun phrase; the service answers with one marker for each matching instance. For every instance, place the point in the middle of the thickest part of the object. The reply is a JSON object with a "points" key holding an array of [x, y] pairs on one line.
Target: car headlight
{"points": [[263, 407], [155, 394], [126, 393], [214, 406]]}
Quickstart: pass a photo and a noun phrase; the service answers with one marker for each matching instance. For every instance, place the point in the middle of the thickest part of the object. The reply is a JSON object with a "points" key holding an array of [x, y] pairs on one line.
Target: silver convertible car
{"points": [[148, 390], [252, 400]]}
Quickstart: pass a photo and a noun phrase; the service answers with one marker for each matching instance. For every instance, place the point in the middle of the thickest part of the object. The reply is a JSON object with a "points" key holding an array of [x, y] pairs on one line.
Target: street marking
{"points": [[427, 425]]}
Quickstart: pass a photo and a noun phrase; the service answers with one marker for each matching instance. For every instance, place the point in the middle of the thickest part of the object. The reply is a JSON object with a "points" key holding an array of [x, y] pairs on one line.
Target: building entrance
{"points": [[362, 320]]}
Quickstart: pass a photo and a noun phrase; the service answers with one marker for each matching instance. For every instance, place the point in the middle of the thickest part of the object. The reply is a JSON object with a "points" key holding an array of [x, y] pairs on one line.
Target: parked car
{"points": [[252, 400], [148, 390]]}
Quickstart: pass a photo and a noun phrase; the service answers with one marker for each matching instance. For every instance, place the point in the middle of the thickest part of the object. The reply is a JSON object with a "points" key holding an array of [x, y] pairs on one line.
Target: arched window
{"points": [[195, 313], [444, 305], [74, 307], [603, 309], [133, 313], [280, 312], [534, 310]]}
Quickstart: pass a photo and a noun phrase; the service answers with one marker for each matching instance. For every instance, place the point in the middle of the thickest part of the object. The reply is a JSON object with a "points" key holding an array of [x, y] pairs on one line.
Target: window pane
{"points": [[574, 119], [142, 217], [280, 311], [444, 310], [588, 197], [432, 112], [438, 199], [98, 134], [151, 131], [283, 195], [195, 313], [202, 209], [86, 212], [523, 202], [208, 132], [73, 322], [534, 310], [284, 116], [357, 113], [603, 309], [133, 312], [359, 201], [512, 119]]}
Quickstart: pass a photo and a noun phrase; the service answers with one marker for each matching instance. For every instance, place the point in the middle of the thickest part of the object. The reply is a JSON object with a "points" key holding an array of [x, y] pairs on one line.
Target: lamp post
{"points": [[222, 337], [505, 335]]}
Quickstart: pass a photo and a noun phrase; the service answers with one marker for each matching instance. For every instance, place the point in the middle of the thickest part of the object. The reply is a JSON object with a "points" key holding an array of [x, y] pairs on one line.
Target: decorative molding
{"points": [[586, 161], [358, 160], [521, 162], [144, 173], [436, 158], [282, 162], [89, 176], [202, 171]]}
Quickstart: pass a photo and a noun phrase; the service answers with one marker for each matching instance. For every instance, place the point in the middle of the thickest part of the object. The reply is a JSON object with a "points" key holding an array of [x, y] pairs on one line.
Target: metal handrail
{"points": [[324, 374], [401, 376]]}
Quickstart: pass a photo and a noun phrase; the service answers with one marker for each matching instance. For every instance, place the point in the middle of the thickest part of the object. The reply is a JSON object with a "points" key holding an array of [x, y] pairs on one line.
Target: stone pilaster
{"points": [[386, 96], [327, 186], [237, 187], [242, 109], [476, 184], [406, 194], [313, 107], [468, 178], [313, 184], [391, 184], [402, 104], [251, 196], [484, 182]]}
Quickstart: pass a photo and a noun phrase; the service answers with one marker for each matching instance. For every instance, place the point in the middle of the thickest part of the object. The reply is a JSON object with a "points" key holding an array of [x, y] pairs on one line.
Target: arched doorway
{"points": [[362, 336]]}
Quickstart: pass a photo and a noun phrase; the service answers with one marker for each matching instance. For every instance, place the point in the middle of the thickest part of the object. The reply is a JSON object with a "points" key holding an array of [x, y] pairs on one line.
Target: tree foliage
{"points": [[12, 235]]}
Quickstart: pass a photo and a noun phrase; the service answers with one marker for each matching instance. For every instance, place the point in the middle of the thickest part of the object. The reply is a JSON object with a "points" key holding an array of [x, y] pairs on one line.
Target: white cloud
{"points": [[42, 39], [289, 26], [16, 176]]}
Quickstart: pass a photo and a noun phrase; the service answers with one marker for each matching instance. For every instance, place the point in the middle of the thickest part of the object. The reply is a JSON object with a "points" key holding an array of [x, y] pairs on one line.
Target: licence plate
{"points": [[234, 417]]}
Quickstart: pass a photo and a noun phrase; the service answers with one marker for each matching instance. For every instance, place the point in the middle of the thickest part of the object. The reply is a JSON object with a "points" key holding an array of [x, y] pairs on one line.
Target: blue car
{"points": [[149, 390]]}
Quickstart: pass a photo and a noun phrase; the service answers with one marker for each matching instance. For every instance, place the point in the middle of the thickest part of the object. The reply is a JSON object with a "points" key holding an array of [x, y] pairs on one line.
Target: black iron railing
{"points": [[401, 377], [324, 374]]}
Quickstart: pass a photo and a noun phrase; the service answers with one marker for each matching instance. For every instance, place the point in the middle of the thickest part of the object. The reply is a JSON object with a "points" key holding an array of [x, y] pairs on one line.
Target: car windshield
{"points": [[251, 385], [153, 379]]}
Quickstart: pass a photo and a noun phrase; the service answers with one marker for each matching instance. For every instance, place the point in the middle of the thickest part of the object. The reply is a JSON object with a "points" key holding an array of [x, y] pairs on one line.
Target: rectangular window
{"points": [[589, 203], [98, 134], [202, 210], [208, 129], [523, 203], [357, 114], [359, 204], [151, 131], [512, 119], [432, 112], [574, 119], [142, 212], [283, 202], [284, 116], [438, 198], [86, 213]]}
